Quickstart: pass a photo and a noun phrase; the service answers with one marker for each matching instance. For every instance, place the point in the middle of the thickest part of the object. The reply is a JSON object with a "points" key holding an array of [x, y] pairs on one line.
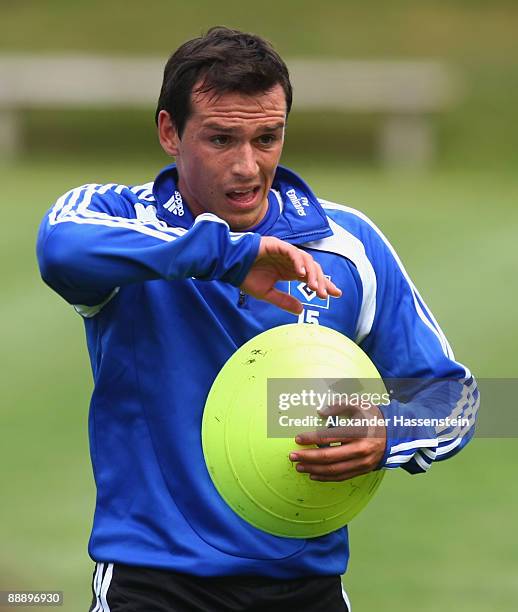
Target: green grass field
{"points": [[445, 540]]}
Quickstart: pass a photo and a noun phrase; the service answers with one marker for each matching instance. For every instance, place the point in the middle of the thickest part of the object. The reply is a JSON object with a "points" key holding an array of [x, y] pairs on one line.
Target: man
{"points": [[171, 277]]}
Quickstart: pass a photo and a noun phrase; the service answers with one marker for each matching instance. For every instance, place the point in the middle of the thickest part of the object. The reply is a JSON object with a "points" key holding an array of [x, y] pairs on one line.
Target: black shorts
{"points": [[123, 588]]}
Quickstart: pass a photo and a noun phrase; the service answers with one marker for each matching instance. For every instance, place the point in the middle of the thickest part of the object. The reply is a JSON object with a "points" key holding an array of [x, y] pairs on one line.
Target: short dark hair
{"points": [[225, 61]]}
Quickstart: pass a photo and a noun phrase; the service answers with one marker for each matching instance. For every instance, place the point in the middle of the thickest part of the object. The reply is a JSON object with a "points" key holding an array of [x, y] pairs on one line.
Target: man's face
{"points": [[228, 153]]}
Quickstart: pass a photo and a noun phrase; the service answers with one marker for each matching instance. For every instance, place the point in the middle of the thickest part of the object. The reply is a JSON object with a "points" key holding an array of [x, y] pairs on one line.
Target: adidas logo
{"points": [[175, 204], [298, 203]]}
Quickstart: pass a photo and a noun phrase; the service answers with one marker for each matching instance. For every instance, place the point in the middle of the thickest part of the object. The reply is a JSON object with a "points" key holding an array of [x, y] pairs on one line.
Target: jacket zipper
{"points": [[241, 302]]}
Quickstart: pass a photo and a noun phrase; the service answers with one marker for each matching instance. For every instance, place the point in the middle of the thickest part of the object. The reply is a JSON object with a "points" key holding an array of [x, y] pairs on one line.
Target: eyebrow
{"points": [[227, 130]]}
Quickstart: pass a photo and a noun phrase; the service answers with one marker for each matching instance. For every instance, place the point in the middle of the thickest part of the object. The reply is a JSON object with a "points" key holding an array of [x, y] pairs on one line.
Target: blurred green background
{"points": [[445, 540]]}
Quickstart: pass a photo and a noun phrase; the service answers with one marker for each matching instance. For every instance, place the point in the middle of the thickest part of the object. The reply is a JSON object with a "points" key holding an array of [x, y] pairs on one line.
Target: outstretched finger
{"points": [[322, 282], [311, 271], [332, 289], [297, 258]]}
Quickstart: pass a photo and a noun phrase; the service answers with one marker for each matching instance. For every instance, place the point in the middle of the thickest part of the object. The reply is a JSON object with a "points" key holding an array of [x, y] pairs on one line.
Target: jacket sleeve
{"points": [[435, 398], [92, 242]]}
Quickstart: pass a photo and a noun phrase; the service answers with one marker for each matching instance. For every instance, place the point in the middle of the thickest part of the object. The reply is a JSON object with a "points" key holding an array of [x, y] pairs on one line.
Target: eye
{"points": [[267, 139], [221, 140]]}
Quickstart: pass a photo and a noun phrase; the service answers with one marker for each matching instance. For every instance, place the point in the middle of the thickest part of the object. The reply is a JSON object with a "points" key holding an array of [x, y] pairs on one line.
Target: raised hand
{"points": [[280, 261]]}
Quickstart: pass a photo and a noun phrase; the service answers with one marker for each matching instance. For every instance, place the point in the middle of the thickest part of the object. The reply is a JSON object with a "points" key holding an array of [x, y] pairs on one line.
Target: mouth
{"points": [[243, 197]]}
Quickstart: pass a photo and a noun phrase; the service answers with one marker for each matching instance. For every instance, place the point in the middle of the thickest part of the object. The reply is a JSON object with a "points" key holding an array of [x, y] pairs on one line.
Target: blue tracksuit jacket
{"points": [[159, 293]]}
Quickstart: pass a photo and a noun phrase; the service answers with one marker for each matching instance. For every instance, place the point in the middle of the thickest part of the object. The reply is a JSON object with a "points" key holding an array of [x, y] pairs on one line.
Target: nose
{"points": [[245, 165]]}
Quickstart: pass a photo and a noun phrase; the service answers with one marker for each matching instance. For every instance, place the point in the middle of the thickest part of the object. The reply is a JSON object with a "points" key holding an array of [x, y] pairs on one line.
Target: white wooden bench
{"points": [[405, 94]]}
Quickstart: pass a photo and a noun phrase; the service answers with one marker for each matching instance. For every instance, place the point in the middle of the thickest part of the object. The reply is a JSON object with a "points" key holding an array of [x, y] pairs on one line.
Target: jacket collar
{"points": [[294, 213]]}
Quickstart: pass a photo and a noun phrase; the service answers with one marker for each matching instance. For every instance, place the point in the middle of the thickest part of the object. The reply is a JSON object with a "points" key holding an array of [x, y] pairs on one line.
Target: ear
{"points": [[167, 133]]}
